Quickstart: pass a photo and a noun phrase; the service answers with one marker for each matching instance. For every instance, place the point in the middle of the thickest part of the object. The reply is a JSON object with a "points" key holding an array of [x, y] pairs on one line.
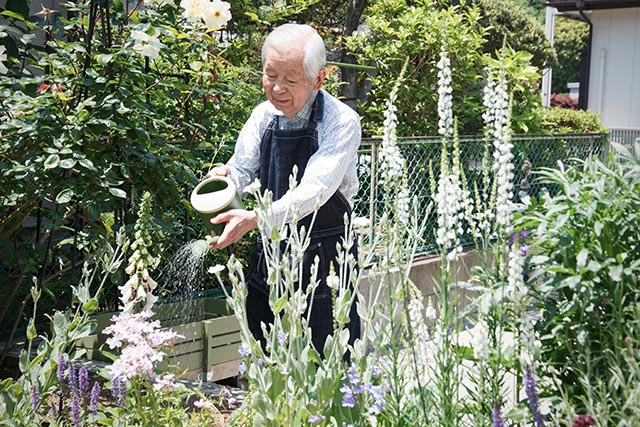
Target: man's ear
{"points": [[317, 84]]}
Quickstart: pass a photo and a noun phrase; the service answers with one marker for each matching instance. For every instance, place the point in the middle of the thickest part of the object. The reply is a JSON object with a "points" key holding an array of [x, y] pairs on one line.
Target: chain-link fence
{"points": [[64, 261], [531, 152]]}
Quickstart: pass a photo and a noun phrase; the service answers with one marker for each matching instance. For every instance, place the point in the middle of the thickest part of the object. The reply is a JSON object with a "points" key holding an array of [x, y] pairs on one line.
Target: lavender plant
{"points": [[291, 382], [48, 381]]}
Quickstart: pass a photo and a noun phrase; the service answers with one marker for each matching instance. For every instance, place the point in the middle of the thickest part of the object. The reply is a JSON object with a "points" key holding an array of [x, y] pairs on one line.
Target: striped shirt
{"points": [[331, 168]]}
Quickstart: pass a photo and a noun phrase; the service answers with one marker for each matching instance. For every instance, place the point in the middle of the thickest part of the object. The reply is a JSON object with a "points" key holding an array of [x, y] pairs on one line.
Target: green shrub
{"points": [[564, 120], [587, 263]]}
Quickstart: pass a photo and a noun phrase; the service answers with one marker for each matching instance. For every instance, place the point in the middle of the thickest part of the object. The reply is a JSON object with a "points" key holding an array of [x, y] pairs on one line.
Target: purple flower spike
{"points": [[95, 398], [348, 399], [35, 398], [73, 377], [532, 395], [83, 380], [75, 408], [498, 421], [118, 390], [62, 368]]}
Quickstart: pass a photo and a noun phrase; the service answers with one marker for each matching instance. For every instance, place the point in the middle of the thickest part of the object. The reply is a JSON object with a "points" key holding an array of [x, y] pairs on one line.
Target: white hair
{"points": [[288, 35]]}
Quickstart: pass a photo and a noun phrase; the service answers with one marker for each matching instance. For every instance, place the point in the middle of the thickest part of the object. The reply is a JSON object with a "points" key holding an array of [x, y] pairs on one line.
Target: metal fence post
{"points": [[373, 189]]}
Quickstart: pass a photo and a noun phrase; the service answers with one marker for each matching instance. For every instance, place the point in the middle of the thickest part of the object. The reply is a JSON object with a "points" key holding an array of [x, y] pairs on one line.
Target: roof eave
{"points": [[572, 5]]}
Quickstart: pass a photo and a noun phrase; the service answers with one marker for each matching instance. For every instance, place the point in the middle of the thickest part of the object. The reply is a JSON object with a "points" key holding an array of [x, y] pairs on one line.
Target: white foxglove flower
{"points": [[497, 127], [516, 286], [430, 312], [393, 163], [479, 340], [445, 95], [419, 332], [137, 292], [450, 214], [402, 208]]}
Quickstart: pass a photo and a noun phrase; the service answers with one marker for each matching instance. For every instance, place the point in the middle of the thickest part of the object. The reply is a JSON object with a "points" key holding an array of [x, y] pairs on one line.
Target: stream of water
{"points": [[184, 280]]}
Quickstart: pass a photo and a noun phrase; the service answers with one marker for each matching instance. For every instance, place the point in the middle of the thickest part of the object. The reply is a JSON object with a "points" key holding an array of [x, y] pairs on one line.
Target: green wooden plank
{"points": [[186, 347], [190, 362], [222, 340], [189, 331], [222, 354], [222, 325]]}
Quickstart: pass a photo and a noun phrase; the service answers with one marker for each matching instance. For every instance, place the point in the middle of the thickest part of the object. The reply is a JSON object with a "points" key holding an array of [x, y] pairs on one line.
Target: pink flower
{"points": [[139, 339], [203, 404]]}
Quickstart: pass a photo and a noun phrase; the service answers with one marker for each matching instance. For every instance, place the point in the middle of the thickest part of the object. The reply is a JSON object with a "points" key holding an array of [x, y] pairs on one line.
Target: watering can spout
{"points": [[212, 196]]}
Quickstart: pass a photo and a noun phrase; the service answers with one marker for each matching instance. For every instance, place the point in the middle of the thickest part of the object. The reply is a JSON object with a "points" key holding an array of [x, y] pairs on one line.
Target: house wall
{"points": [[614, 89]]}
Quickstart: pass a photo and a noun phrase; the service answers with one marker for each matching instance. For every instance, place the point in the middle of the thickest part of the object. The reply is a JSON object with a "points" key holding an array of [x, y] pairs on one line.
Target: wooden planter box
{"points": [[209, 349]]}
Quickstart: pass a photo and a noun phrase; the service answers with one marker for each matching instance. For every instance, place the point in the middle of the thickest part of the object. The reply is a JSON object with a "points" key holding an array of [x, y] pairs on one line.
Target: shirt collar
{"points": [[304, 114]]}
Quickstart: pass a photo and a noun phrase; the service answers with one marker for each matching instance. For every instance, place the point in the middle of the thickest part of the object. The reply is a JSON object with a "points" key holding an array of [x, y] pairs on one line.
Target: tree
{"points": [[395, 31], [570, 42], [508, 22]]}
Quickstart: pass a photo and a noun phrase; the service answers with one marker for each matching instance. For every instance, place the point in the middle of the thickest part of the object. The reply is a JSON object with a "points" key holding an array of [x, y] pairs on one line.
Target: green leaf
{"points": [[48, 291], [67, 163], [52, 161], [65, 196], [581, 258], [31, 330], [104, 59], [87, 164], [82, 293], [83, 115], [59, 324], [196, 65], [280, 303], [118, 193], [18, 9], [90, 306]]}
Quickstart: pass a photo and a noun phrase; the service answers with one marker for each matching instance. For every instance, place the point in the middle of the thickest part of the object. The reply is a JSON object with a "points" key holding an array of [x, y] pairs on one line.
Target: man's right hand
{"points": [[222, 170]]}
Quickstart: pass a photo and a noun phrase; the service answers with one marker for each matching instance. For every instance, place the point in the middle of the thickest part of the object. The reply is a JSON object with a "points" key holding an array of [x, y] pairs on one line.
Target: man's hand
{"points": [[239, 222], [222, 170]]}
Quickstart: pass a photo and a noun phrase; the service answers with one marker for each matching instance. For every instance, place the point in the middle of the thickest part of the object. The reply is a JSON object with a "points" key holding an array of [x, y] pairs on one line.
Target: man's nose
{"points": [[279, 86]]}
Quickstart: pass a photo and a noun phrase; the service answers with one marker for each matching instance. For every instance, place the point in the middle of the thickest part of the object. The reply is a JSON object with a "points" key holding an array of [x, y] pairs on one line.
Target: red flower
{"points": [[55, 88], [43, 88], [583, 421]]}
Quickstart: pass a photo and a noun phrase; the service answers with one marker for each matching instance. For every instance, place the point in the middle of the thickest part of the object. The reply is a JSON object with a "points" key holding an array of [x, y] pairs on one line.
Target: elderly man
{"points": [[300, 125]]}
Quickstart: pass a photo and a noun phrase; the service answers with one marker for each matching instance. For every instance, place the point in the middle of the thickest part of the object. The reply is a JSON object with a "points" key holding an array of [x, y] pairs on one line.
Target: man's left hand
{"points": [[239, 222]]}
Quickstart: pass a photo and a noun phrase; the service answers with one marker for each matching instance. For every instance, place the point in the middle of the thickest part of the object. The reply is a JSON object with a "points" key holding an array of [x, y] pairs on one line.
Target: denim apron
{"points": [[280, 150]]}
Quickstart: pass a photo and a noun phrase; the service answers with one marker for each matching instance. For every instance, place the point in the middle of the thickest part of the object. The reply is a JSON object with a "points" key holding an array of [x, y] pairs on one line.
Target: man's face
{"points": [[284, 81]]}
